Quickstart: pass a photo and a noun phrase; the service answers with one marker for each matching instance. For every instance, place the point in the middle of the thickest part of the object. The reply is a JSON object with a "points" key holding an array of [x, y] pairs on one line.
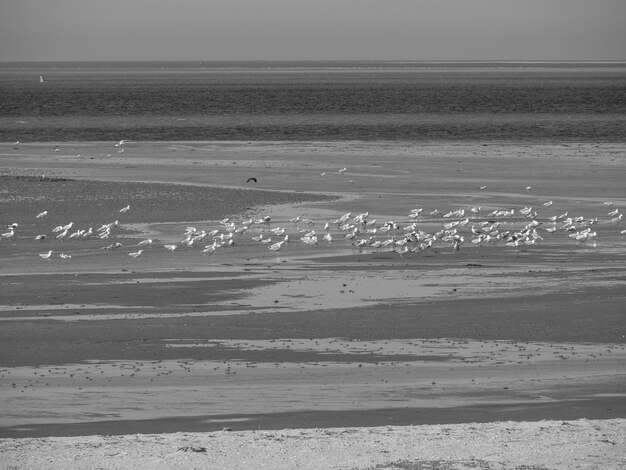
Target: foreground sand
{"points": [[311, 337], [509, 445]]}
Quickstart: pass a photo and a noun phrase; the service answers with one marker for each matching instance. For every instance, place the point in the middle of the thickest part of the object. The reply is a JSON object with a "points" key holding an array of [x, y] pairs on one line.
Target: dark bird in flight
{"points": [[251, 179]]}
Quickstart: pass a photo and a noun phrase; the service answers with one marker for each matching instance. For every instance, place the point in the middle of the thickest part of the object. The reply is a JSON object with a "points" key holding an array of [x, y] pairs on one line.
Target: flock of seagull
{"points": [[507, 227]]}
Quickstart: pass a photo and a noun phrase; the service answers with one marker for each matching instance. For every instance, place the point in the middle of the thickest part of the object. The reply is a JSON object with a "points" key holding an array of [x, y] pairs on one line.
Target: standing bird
{"points": [[125, 209], [277, 246], [135, 254], [46, 255], [41, 214], [210, 249]]}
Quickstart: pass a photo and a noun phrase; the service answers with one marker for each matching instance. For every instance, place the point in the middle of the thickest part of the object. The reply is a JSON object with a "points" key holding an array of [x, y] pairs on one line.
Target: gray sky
{"points": [[312, 29]]}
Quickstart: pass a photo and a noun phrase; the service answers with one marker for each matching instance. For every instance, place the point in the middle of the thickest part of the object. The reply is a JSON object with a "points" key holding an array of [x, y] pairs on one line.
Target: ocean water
{"points": [[412, 101]]}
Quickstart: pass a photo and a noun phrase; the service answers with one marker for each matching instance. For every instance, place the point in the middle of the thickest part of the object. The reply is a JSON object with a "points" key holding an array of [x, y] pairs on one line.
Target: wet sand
{"points": [[309, 336]]}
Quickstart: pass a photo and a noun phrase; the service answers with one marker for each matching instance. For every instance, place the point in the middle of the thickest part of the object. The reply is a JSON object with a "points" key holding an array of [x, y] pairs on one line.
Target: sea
{"points": [[313, 101]]}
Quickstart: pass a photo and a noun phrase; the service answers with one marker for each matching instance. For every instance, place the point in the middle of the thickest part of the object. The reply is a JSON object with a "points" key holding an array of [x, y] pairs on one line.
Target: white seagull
{"points": [[46, 255], [276, 246], [210, 249]]}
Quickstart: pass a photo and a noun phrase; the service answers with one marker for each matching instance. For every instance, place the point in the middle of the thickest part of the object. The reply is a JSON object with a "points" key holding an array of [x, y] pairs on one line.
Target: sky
{"points": [[66, 30]]}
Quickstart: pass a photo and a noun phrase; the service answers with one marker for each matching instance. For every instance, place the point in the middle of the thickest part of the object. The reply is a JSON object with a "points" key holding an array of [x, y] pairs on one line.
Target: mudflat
{"points": [[443, 283]]}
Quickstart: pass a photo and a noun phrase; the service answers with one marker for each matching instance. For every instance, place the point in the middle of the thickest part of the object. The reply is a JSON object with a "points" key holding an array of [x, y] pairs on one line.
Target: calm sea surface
{"points": [[414, 101]]}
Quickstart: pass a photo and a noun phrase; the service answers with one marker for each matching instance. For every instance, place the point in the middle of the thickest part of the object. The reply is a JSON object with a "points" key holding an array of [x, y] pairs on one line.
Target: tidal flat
{"points": [[352, 284]]}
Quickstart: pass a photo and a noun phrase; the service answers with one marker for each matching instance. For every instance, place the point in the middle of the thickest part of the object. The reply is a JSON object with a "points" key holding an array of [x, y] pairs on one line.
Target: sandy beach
{"points": [[469, 353], [508, 445]]}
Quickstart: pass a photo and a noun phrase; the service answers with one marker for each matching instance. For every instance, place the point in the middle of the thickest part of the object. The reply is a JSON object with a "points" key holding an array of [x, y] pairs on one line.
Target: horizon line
{"points": [[399, 61]]}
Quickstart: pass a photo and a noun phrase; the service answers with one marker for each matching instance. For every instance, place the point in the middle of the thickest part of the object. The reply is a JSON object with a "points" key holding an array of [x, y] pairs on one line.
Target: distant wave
{"points": [[389, 100], [308, 64]]}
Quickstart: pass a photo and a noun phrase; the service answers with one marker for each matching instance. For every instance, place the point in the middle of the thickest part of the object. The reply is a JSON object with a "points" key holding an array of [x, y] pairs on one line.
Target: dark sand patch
{"points": [[593, 409], [517, 319], [91, 202]]}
